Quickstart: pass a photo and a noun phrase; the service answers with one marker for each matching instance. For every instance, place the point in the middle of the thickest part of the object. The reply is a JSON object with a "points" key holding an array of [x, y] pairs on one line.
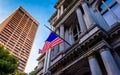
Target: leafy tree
{"points": [[8, 62]]}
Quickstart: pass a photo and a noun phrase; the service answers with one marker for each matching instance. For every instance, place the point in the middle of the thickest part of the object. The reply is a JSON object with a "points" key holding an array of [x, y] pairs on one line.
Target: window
{"points": [[76, 32], [21, 12], [110, 11], [109, 18], [52, 52], [116, 10]]}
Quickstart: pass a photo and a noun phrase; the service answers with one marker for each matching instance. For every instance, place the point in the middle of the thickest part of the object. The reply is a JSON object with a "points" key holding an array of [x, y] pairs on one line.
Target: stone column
{"points": [[81, 21], [66, 38], [117, 58], [48, 59], [94, 66], [45, 63], [101, 21], [62, 36], [88, 14], [71, 39], [61, 8], [109, 62], [56, 47], [58, 13]]}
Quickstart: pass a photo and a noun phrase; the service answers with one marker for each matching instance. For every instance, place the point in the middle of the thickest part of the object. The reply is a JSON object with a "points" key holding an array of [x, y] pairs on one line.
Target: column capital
{"points": [[91, 56], [83, 1], [104, 49]]}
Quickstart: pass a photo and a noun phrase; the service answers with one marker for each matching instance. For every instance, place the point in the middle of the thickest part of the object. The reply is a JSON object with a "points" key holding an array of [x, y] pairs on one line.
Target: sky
{"points": [[41, 10]]}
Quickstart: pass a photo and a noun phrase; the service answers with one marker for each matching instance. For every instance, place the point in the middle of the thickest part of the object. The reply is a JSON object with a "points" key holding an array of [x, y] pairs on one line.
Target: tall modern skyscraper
{"points": [[17, 34]]}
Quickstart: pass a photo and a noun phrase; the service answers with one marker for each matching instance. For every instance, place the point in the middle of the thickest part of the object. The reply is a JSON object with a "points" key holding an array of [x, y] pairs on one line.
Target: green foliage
{"points": [[32, 73], [19, 73], [8, 62]]}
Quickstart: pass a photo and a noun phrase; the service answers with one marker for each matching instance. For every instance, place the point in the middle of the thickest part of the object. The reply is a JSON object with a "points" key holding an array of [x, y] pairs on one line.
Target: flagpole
{"points": [[58, 35]]}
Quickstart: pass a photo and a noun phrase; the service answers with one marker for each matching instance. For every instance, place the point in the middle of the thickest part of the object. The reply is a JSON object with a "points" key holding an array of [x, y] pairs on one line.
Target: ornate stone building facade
{"points": [[40, 68], [92, 27]]}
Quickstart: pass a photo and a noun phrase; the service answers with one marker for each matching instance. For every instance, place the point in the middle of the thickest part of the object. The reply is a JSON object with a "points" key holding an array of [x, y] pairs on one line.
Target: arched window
{"points": [[110, 10]]}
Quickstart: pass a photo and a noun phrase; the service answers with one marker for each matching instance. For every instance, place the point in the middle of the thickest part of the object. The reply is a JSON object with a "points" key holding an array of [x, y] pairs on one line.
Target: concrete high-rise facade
{"points": [[92, 27], [17, 34]]}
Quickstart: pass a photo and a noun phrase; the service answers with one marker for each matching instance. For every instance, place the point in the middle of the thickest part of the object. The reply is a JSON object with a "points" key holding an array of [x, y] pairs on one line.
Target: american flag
{"points": [[52, 41]]}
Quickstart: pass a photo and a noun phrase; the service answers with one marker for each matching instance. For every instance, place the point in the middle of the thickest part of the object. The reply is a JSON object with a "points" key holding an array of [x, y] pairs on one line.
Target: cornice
{"points": [[115, 29], [59, 3], [40, 57], [69, 10], [53, 16]]}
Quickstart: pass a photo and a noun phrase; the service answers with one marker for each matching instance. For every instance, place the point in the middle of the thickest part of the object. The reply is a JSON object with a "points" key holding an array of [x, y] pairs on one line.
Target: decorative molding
{"points": [[75, 52]]}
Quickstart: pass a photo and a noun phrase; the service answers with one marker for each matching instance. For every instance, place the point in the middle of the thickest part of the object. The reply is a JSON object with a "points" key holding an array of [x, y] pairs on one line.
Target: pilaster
{"points": [[66, 38], [88, 14], [81, 21], [62, 36]]}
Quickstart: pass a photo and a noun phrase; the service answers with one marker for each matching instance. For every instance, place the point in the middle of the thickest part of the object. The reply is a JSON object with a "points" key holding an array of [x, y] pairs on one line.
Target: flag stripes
{"points": [[56, 42], [52, 41]]}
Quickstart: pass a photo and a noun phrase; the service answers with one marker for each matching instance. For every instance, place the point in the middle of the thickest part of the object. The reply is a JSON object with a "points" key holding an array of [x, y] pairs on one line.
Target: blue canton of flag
{"points": [[52, 41]]}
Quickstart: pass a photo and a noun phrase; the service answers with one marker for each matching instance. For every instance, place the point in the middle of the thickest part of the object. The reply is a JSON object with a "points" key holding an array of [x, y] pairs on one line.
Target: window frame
{"points": [[108, 8]]}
